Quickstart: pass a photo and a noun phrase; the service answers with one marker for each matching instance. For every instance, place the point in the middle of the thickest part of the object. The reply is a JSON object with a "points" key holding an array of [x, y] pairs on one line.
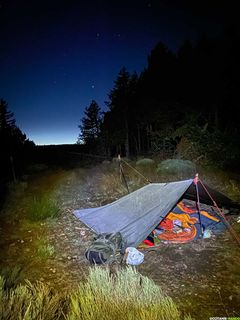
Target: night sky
{"points": [[58, 56]]}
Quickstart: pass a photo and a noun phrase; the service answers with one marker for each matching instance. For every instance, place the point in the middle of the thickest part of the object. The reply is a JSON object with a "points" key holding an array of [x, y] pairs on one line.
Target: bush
{"points": [[145, 162], [208, 145], [176, 166], [126, 295]]}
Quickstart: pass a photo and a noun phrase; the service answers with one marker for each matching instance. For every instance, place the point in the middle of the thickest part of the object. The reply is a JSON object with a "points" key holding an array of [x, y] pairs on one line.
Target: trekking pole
{"points": [[122, 173], [198, 202]]}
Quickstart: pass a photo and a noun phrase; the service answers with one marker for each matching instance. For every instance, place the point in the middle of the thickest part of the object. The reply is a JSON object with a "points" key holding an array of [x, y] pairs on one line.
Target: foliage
{"points": [[13, 144], [11, 277], [207, 145], [90, 127], [11, 137], [27, 302], [176, 166], [42, 207], [124, 295], [145, 162], [45, 250], [117, 121], [149, 112], [113, 297]]}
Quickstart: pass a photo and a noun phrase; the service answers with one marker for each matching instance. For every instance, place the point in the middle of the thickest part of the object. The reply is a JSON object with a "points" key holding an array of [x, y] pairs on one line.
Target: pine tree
{"points": [[119, 105], [90, 126], [7, 120]]}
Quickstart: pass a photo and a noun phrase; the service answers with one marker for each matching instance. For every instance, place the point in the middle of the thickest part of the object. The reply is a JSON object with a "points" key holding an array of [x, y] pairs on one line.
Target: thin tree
{"points": [[90, 125]]}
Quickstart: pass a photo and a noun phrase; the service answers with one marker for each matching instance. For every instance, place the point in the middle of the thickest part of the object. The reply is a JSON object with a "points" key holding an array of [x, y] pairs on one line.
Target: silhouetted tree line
{"points": [[14, 146], [184, 104]]}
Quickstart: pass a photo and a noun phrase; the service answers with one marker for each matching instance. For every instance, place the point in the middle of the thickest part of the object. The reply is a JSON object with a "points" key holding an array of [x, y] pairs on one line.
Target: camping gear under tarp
{"points": [[182, 224], [137, 214]]}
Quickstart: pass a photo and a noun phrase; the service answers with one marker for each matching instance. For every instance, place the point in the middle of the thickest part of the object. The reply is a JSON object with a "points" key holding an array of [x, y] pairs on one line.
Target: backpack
{"points": [[105, 248]]}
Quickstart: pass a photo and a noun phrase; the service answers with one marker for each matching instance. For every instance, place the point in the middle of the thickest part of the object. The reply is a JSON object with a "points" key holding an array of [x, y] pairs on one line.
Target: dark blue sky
{"points": [[58, 56]]}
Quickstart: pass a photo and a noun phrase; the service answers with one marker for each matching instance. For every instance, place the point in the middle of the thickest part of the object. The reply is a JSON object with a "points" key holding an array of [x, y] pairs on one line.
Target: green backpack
{"points": [[105, 248]]}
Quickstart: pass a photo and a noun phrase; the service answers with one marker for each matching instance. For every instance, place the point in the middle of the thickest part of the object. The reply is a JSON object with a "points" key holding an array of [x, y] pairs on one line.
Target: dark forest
{"points": [[183, 104]]}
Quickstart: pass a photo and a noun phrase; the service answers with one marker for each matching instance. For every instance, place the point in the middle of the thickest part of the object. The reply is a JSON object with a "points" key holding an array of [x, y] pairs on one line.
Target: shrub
{"points": [[126, 295], [145, 162], [175, 166]]}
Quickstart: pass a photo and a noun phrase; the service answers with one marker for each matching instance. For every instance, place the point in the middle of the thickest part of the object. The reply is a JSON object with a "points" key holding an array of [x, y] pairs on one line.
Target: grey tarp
{"points": [[136, 214]]}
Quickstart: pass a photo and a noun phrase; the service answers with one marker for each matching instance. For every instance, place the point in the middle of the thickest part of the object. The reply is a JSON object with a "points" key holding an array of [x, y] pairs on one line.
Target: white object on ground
{"points": [[134, 257], [207, 234]]}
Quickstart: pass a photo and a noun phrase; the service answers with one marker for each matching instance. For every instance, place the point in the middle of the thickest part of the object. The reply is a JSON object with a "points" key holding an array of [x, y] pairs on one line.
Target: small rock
{"points": [[69, 258], [22, 241]]}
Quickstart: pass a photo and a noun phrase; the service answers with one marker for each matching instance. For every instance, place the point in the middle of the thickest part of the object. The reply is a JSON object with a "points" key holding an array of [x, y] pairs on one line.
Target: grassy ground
{"points": [[41, 240]]}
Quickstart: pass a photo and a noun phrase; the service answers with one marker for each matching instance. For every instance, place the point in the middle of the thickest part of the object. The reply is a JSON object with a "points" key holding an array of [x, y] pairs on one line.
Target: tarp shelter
{"points": [[137, 214]]}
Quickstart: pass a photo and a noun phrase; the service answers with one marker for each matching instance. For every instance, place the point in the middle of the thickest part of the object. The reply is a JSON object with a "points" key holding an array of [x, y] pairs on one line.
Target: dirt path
{"points": [[202, 276]]}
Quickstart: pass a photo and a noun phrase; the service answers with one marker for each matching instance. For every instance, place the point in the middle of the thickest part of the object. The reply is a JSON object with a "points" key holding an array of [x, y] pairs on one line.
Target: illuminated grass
{"points": [[125, 295], [44, 249], [27, 302]]}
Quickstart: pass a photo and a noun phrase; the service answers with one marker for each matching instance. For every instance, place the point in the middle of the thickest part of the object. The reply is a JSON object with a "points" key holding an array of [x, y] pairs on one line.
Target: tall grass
{"points": [[28, 302], [42, 207], [12, 277], [124, 295]]}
